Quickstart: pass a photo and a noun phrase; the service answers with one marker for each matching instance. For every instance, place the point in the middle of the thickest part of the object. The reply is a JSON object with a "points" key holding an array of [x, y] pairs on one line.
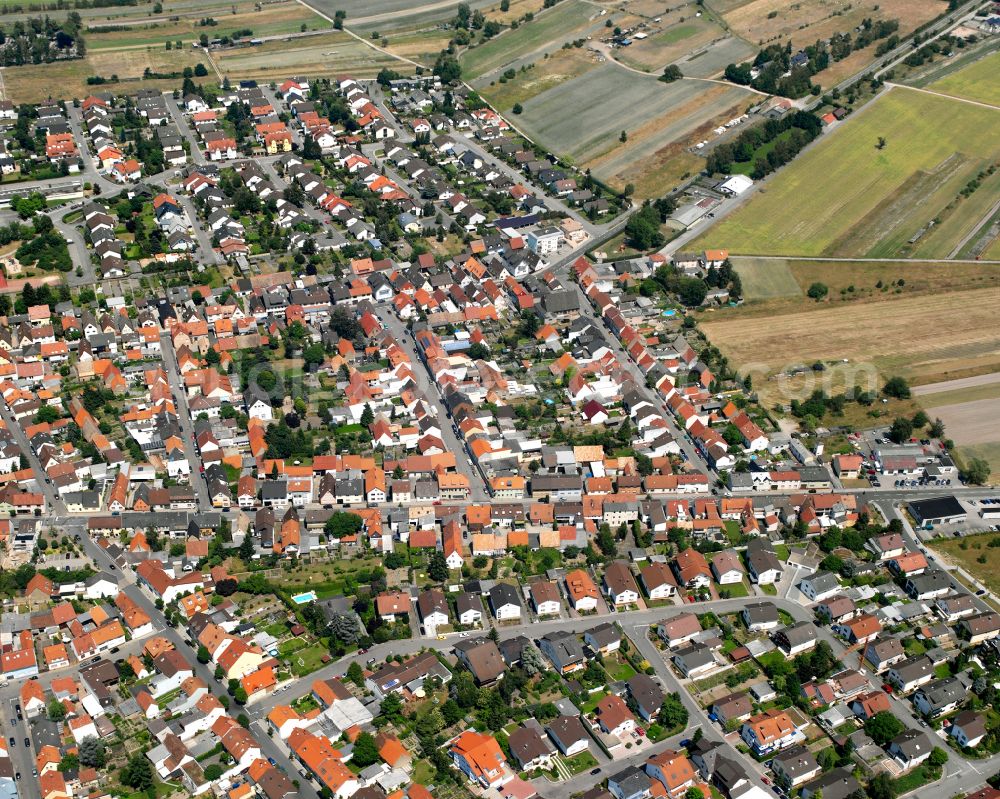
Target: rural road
{"points": [[955, 385]]}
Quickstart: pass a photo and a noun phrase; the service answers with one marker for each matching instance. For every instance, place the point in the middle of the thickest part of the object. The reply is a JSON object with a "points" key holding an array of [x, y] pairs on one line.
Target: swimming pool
{"points": [[301, 599]]}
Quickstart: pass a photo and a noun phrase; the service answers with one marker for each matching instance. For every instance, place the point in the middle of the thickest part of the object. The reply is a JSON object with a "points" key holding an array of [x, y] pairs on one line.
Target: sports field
{"points": [[977, 81], [564, 22], [846, 196]]}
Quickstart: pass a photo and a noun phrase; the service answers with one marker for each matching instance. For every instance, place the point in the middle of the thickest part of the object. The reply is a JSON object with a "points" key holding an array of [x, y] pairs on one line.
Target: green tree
{"points": [[355, 674], [70, 762], [901, 430], [896, 387], [642, 231], [938, 757], [342, 524], [976, 471], [365, 750], [606, 541], [92, 752], [692, 291], [818, 291], [203, 654], [883, 727], [671, 73], [56, 711], [367, 416], [882, 786], [437, 568], [517, 109], [391, 710], [213, 771], [673, 714], [137, 773]]}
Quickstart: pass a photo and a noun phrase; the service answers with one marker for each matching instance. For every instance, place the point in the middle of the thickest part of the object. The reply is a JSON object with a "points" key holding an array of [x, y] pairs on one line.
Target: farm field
{"points": [[569, 20], [657, 156], [711, 60], [364, 12], [546, 74], [320, 56], [977, 81], [766, 279], [421, 46], [972, 422], [271, 20], [942, 239], [582, 118], [880, 196], [765, 21], [678, 33], [766, 338], [66, 79]]}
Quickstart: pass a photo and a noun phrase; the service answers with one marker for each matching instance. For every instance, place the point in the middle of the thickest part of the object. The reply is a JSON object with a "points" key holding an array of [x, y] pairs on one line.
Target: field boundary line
{"points": [[361, 39], [215, 66], [980, 103]]}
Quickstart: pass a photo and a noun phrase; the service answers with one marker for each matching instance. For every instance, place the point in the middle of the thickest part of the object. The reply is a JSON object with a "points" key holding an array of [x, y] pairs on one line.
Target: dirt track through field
{"points": [[956, 385]]}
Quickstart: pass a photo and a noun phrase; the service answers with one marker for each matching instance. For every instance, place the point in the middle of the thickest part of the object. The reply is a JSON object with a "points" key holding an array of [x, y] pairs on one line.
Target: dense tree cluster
{"points": [[783, 138], [41, 40]]}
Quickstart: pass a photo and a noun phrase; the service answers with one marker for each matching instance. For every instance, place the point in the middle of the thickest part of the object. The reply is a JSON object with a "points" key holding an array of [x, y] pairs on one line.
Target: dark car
{"points": [[594, 771], [17, 775], [27, 742], [12, 741]]}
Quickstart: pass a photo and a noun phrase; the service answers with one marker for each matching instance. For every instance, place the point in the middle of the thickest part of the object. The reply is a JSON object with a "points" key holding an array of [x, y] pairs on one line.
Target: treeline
{"points": [[789, 135], [944, 46], [41, 40], [63, 5], [776, 70], [843, 44]]}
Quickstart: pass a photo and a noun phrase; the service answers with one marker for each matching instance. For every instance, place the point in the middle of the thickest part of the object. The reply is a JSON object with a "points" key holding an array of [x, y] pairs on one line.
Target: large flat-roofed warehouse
{"points": [[938, 510]]}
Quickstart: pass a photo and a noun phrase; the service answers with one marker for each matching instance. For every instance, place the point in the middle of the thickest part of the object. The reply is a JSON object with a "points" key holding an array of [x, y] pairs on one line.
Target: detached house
{"points": [[770, 731]]}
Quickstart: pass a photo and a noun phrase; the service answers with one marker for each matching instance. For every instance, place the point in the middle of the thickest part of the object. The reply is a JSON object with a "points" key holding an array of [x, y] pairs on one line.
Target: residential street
{"points": [[477, 486], [184, 420]]}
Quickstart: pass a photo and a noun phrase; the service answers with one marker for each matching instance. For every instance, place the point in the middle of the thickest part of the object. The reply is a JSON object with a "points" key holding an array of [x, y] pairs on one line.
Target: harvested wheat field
{"points": [[923, 338]]}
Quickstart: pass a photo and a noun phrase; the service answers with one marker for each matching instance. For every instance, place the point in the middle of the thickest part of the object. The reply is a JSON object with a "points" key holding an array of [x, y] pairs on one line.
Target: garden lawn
{"points": [[580, 763]]}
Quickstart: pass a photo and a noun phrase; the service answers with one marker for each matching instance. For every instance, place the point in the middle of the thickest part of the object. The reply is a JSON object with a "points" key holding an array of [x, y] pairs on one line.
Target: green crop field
{"points": [[766, 279], [570, 19], [847, 197], [977, 81]]}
